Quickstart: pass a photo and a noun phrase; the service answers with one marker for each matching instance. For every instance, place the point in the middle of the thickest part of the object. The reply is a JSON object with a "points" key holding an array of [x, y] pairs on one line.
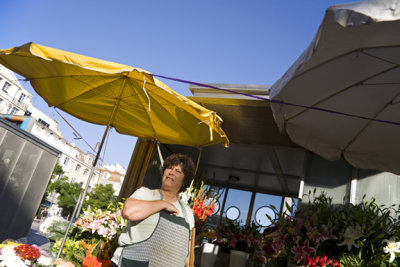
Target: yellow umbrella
{"points": [[129, 99]]}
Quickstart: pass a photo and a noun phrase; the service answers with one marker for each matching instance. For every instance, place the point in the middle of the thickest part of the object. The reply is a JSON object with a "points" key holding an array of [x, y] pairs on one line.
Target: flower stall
{"points": [[320, 233]]}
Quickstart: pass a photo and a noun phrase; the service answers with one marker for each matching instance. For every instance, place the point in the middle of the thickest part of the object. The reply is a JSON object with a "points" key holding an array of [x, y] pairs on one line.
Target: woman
{"points": [[159, 224]]}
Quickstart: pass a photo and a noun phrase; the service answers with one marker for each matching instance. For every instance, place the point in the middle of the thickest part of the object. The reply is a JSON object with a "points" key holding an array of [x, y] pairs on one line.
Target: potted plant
{"points": [[321, 233]]}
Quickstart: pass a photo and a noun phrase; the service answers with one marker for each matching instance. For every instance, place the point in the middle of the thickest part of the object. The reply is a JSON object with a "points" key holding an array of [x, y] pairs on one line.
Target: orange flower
{"points": [[92, 261]]}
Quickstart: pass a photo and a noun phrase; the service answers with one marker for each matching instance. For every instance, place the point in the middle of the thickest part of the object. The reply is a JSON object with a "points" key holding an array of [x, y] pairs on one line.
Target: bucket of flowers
{"points": [[321, 233], [14, 254], [243, 242]]}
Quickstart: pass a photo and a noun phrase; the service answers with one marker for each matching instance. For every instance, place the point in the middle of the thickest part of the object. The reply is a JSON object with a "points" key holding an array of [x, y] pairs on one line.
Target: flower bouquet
{"points": [[202, 202], [94, 238], [14, 254], [321, 232]]}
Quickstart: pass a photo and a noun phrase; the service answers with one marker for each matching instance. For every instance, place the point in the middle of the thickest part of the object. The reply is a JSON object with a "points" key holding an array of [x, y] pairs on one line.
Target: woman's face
{"points": [[173, 178]]}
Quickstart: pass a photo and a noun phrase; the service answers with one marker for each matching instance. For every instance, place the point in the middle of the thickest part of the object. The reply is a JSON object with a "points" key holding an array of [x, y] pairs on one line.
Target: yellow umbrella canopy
{"points": [[129, 99]]}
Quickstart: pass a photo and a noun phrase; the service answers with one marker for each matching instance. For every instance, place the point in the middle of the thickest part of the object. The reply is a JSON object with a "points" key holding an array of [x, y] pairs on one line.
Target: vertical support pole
{"points": [[222, 207], [303, 175], [353, 186], [251, 206]]}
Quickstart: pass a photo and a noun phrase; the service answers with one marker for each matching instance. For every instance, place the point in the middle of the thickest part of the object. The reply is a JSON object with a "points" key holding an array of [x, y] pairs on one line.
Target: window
{"points": [[5, 86], [14, 110], [78, 166], [262, 209], [237, 205], [86, 171], [21, 98], [66, 160], [44, 123]]}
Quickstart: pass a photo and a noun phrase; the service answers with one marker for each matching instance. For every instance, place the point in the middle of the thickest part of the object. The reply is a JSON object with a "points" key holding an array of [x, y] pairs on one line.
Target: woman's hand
{"points": [[171, 209]]}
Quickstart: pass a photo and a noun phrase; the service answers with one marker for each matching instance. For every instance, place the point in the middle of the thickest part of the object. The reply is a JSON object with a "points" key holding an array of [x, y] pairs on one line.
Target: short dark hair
{"points": [[186, 164]]}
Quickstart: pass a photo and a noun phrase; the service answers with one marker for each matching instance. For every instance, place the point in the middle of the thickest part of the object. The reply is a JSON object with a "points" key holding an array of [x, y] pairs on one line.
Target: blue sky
{"points": [[249, 42]]}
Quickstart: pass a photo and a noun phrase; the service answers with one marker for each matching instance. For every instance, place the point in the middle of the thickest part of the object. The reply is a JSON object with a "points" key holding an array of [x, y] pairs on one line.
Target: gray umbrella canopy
{"points": [[346, 87]]}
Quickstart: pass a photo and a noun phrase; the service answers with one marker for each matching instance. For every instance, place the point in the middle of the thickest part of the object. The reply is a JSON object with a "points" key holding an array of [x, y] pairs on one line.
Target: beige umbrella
{"points": [[341, 97]]}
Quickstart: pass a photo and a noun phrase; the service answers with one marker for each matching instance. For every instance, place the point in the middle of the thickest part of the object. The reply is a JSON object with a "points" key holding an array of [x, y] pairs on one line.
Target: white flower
{"points": [[350, 235], [185, 196], [392, 247], [8, 258], [47, 224], [45, 261]]}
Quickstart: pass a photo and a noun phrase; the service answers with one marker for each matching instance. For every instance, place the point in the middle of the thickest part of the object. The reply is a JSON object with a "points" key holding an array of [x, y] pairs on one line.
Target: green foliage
{"points": [[101, 197], [68, 194], [58, 170], [73, 251]]}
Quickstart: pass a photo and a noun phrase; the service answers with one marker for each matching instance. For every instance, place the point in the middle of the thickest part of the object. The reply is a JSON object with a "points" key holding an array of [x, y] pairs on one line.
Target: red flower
{"points": [[201, 211], [317, 261], [27, 252]]}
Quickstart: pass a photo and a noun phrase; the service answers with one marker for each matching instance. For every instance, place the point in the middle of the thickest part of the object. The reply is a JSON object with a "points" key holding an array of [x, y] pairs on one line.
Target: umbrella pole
{"points": [[81, 198], [82, 195]]}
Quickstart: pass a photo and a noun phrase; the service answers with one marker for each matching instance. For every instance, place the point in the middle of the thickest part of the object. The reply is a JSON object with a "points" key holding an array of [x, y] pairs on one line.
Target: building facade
{"points": [[15, 104], [14, 99], [114, 175]]}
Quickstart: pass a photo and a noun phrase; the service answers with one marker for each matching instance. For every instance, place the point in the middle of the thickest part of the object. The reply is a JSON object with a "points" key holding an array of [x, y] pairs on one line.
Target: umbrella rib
{"points": [[212, 114], [383, 59], [368, 123], [134, 82], [76, 77], [162, 106], [79, 95], [361, 50], [336, 93]]}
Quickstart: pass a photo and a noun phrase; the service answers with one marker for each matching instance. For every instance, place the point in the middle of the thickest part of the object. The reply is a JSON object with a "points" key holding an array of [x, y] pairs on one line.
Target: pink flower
{"points": [[302, 252], [278, 242]]}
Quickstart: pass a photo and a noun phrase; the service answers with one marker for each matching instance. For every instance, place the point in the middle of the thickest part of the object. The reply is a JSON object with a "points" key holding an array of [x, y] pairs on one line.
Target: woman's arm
{"points": [[136, 209]]}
